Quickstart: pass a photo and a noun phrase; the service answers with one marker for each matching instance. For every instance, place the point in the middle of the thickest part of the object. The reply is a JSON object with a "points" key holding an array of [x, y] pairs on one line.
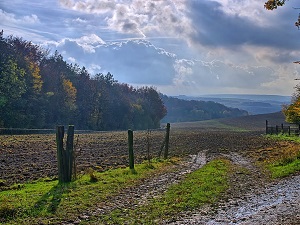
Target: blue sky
{"points": [[190, 47]]}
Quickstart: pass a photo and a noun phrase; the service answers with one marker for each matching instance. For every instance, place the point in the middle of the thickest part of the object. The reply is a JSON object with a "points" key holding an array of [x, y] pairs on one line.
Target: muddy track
{"points": [[251, 199], [148, 189]]}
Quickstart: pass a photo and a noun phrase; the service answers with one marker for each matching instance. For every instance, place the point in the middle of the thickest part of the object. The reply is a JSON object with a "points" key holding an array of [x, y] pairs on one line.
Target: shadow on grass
{"points": [[50, 201]]}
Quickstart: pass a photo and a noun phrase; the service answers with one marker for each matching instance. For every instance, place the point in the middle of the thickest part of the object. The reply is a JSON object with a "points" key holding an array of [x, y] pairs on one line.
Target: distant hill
{"points": [[253, 104], [256, 122], [180, 110]]}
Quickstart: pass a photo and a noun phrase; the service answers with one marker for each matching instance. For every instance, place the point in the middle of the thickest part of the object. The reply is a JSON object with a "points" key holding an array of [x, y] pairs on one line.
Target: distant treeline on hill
{"points": [[180, 110], [42, 91]]}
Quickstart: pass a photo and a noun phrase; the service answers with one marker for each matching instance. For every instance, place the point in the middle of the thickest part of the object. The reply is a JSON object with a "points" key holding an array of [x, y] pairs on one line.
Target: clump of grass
{"points": [[284, 161], [7, 209], [284, 167], [2, 182], [93, 176]]}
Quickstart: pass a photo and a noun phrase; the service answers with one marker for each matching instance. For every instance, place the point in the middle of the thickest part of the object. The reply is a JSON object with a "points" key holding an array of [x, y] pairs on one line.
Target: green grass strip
{"points": [[284, 168], [46, 202], [200, 187], [287, 165], [284, 137]]}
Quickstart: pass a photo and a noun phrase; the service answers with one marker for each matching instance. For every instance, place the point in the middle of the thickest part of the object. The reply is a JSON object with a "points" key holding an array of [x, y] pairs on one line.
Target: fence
{"points": [[66, 157], [292, 129]]}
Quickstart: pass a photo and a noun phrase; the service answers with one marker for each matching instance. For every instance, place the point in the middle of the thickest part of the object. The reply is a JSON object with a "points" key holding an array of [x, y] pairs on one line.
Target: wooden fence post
{"points": [[60, 151], [64, 157], [267, 127], [130, 148], [167, 138], [69, 153]]}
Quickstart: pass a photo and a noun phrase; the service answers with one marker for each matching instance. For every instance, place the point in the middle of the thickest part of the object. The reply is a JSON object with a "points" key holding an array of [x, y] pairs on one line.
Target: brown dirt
{"points": [[30, 157]]}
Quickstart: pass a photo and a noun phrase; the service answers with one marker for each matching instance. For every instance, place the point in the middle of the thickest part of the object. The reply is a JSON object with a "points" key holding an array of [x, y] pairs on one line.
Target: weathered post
{"points": [[69, 153], [167, 138], [60, 151], [130, 148], [266, 126], [148, 145], [64, 157]]}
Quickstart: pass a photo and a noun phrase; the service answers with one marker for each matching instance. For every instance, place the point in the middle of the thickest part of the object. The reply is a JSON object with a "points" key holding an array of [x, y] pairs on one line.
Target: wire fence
{"points": [[27, 154], [289, 129]]}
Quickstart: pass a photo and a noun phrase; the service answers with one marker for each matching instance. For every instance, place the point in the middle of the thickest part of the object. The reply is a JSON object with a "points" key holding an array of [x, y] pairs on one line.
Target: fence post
{"points": [[148, 145], [282, 129], [60, 151], [69, 153], [64, 157], [167, 138], [289, 127], [266, 126], [130, 148], [276, 129]]}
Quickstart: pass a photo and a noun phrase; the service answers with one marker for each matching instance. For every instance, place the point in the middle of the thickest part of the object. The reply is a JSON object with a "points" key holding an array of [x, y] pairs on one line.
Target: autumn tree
{"points": [[292, 111], [273, 4], [41, 91], [12, 86]]}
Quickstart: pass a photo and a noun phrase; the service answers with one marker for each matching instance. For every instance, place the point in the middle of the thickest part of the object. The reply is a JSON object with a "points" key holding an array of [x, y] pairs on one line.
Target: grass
{"points": [[284, 137], [284, 168], [46, 201], [200, 187], [286, 161], [51, 202], [214, 124]]}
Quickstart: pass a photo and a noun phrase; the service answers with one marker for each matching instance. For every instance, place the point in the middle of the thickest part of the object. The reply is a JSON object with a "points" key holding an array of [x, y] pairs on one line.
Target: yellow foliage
{"points": [[70, 93], [292, 111], [36, 77], [273, 4]]}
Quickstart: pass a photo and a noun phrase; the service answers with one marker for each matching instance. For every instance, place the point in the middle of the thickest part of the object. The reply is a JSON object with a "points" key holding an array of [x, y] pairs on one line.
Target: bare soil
{"points": [[30, 157]]}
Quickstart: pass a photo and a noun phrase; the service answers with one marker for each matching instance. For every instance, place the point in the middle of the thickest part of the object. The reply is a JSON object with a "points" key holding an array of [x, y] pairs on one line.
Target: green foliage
{"points": [[41, 91]]}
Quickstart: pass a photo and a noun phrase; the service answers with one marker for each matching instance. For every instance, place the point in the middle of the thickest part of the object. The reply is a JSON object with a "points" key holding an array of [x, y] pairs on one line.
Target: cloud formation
{"points": [[139, 17], [181, 46]]}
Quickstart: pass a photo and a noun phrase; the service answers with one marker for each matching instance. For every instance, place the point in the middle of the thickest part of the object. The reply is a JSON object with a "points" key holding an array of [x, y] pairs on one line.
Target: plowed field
{"points": [[30, 157]]}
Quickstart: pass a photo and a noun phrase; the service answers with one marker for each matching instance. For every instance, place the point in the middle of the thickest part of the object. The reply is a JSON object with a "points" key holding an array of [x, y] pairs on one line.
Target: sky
{"points": [[181, 47]]}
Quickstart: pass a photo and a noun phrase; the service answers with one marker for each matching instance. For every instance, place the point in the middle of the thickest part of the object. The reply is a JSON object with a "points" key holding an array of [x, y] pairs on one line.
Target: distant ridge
{"points": [[253, 104], [256, 122]]}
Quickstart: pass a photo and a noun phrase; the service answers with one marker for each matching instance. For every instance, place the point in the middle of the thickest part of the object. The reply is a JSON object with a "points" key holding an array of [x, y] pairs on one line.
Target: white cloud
{"points": [[140, 17], [197, 46], [13, 19], [89, 6], [87, 43]]}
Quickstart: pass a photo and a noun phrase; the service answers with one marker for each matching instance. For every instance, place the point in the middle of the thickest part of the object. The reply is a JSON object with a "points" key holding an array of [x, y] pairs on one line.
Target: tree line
{"points": [[180, 110], [39, 90]]}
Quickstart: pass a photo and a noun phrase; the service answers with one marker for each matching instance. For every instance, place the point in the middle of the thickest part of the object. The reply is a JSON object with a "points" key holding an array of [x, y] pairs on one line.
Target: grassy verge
{"points": [[200, 187], [46, 202], [286, 161]]}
